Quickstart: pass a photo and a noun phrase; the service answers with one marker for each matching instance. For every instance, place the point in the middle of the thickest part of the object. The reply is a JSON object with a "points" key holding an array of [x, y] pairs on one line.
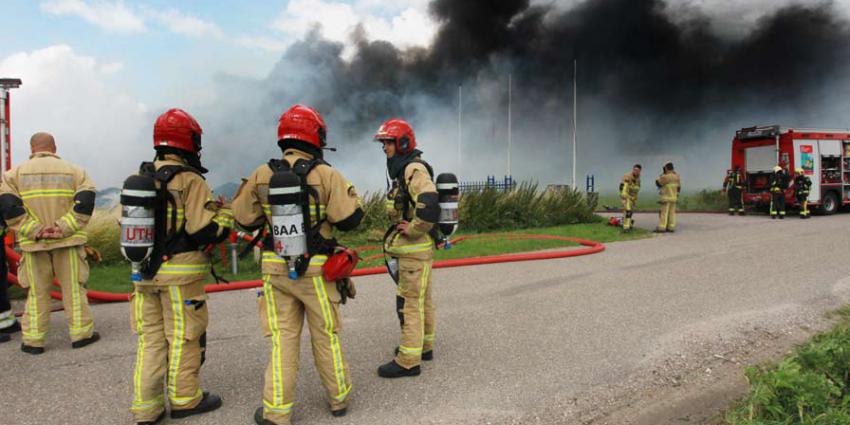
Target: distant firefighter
{"points": [[778, 184], [802, 186], [629, 188], [669, 185], [733, 185]]}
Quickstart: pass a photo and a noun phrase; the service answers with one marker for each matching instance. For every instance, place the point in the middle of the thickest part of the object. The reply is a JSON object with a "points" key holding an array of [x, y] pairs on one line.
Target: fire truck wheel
{"points": [[830, 203]]}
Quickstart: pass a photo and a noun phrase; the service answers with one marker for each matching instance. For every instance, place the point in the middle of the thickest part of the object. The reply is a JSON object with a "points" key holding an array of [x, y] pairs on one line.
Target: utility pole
{"points": [[575, 118], [6, 84], [510, 132], [459, 125]]}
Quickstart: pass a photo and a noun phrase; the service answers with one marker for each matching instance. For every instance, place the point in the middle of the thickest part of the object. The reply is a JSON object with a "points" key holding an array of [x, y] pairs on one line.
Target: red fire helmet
{"points": [[177, 129], [401, 132], [302, 123]]}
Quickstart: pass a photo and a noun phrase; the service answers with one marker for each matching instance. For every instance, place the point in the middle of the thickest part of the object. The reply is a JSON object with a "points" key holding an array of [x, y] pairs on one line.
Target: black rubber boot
{"points": [[393, 370], [29, 349], [95, 337], [258, 417], [11, 329], [155, 421], [209, 403], [5, 338], [339, 413], [426, 355]]}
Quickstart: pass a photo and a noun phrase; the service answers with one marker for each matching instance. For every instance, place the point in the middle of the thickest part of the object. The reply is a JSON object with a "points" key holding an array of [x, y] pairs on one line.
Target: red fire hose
{"points": [[589, 247]]}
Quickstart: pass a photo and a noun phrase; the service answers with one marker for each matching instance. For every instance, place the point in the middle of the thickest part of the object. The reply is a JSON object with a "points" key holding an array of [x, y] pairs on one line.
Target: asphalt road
{"points": [[516, 343]]}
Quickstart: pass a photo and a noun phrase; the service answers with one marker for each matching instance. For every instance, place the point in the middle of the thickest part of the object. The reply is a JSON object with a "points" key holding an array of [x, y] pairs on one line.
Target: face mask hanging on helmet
{"points": [[288, 203]]}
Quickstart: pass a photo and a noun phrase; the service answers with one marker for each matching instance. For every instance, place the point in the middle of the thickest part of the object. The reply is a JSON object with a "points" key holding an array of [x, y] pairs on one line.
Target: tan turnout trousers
{"points": [[171, 324], [36, 272], [416, 311], [283, 304]]}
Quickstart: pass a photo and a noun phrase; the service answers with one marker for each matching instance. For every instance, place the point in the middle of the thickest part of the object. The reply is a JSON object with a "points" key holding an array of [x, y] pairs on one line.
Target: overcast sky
{"points": [[95, 72]]}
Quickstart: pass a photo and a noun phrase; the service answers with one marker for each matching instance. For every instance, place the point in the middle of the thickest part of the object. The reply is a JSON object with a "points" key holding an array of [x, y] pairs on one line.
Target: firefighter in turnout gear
{"points": [[413, 208], [778, 184], [733, 185], [669, 186], [8, 323], [168, 308], [629, 188], [48, 201], [802, 186], [330, 201]]}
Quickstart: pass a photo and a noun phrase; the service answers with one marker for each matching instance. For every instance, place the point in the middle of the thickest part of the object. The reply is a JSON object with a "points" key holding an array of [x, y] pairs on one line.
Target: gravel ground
{"points": [[557, 341]]}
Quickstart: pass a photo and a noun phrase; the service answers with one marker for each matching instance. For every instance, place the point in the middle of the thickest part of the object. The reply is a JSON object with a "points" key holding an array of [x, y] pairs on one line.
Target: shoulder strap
{"points": [[402, 185]]}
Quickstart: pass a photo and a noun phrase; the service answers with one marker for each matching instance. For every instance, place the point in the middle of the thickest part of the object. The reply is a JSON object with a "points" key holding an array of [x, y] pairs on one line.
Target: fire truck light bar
{"points": [[758, 132]]}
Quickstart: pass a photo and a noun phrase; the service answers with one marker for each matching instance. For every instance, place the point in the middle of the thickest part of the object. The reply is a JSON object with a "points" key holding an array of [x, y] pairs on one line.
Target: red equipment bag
{"points": [[341, 264]]}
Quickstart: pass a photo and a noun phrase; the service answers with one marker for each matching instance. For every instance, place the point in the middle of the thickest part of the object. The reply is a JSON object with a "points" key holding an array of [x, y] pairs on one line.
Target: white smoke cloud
{"points": [[68, 95]]}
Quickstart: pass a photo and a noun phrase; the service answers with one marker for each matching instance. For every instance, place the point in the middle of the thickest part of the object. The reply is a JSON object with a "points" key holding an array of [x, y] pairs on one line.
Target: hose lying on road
{"points": [[588, 247]]}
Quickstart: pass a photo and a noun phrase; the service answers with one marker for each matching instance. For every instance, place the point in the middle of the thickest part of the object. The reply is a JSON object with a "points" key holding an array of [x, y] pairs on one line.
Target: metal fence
{"points": [[505, 185]]}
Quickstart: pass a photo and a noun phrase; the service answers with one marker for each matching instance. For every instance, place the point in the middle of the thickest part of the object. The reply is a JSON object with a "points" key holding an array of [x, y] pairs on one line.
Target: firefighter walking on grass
{"points": [[629, 189], [778, 184], [802, 187], [325, 199], [413, 208], [733, 185], [669, 186], [169, 307], [48, 201]]}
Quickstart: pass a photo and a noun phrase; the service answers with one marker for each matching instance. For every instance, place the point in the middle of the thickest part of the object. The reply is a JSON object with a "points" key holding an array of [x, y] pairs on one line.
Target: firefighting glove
{"points": [[93, 254]]}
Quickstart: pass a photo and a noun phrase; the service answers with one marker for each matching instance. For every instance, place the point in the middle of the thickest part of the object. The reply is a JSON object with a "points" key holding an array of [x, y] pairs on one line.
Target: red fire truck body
{"points": [[824, 156]]}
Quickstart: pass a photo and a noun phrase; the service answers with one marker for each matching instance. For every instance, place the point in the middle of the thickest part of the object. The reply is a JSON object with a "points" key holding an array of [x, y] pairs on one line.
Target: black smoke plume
{"points": [[651, 84]]}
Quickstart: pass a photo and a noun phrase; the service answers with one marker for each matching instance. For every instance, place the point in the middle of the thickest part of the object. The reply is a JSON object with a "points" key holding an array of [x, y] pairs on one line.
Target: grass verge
{"points": [[704, 200], [114, 277], [810, 387]]}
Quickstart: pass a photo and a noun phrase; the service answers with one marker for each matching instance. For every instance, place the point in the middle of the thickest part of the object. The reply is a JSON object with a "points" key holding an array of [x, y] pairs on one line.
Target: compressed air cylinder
{"points": [[138, 199], [288, 202], [448, 191]]}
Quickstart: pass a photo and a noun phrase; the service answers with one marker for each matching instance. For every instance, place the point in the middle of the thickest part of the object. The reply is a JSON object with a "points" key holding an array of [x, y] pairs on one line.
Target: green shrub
{"points": [[704, 200], [808, 388], [484, 211]]}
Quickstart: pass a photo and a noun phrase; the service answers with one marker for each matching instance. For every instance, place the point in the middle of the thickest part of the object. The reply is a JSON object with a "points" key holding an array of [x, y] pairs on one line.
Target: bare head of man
{"points": [[42, 142]]}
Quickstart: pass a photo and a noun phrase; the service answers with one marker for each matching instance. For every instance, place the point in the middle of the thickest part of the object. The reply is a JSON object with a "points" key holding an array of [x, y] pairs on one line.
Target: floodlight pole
{"points": [[6, 84]]}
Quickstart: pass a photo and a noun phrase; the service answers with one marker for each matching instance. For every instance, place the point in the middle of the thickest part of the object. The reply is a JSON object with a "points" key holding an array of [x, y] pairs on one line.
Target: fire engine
{"points": [[823, 154]]}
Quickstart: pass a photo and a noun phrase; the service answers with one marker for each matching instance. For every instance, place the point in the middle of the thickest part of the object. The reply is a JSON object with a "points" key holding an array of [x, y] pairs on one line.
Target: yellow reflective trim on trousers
{"points": [[410, 350], [410, 249], [82, 329], [182, 269], [282, 409], [182, 401], [177, 341], [143, 406], [429, 338], [32, 302], [336, 351], [76, 307], [277, 351], [423, 286], [138, 403]]}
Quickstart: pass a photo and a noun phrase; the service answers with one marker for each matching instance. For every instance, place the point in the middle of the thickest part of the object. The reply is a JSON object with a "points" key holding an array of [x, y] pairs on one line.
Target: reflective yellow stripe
{"points": [[423, 285], [283, 409], [76, 307], [410, 249], [177, 342], [277, 351], [145, 405], [47, 193], [71, 221], [32, 302], [138, 402], [183, 269], [336, 351], [182, 401], [413, 351], [429, 338], [272, 257]]}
